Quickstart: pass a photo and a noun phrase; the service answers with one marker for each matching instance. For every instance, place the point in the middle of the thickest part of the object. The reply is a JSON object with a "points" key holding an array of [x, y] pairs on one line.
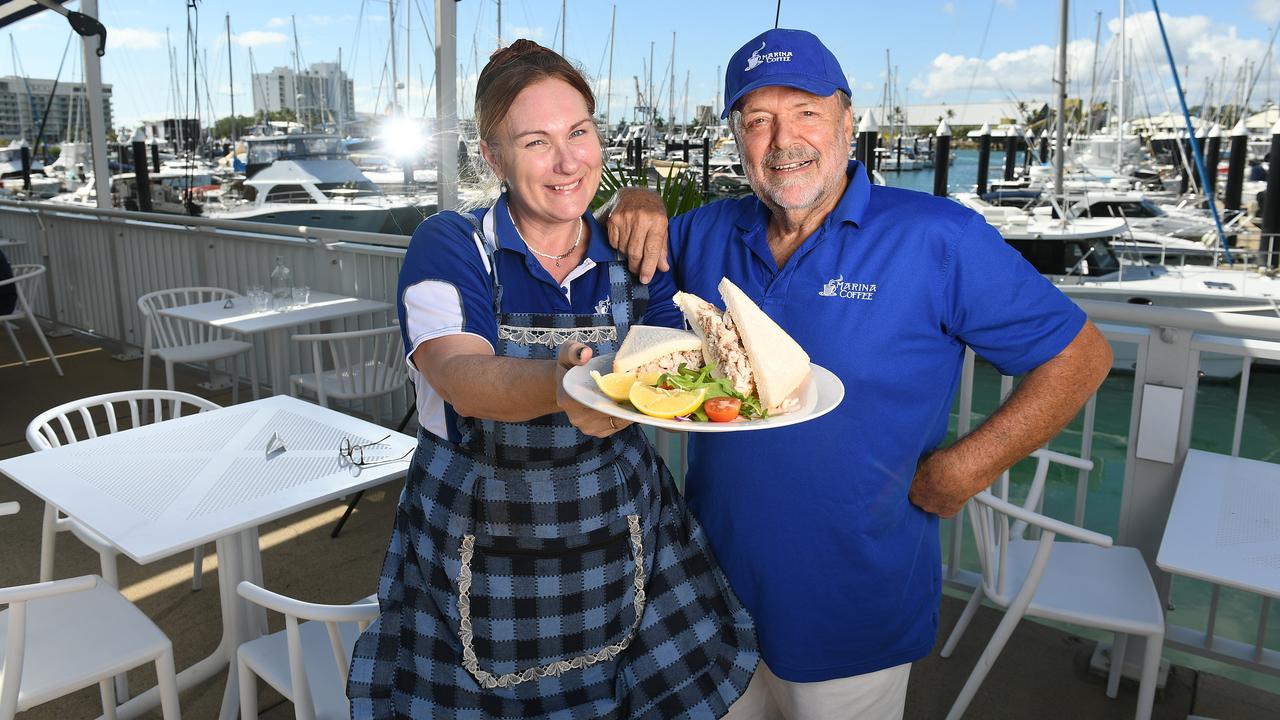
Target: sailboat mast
{"points": [[395, 74], [609, 97], [1093, 72], [231, 81], [1120, 123], [1059, 156], [408, 59], [671, 91], [564, 21], [499, 23], [22, 127]]}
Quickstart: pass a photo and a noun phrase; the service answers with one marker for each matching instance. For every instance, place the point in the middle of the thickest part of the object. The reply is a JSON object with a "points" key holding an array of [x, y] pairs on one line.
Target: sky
{"points": [[942, 51]]}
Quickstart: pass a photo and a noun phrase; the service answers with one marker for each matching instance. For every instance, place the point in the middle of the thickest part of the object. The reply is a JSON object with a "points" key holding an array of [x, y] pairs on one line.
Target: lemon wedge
{"points": [[661, 403], [650, 378], [616, 385]]}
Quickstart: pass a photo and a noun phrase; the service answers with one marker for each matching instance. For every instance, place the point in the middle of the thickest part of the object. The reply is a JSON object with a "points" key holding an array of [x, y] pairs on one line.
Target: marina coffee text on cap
{"points": [[793, 58]]}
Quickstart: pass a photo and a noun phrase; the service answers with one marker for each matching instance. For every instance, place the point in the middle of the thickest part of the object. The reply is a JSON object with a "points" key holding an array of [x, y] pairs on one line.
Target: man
{"points": [[828, 530]]}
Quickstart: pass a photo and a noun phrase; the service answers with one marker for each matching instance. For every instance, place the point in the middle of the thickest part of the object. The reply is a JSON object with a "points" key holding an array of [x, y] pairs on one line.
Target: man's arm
{"points": [[464, 371], [1041, 405], [636, 222]]}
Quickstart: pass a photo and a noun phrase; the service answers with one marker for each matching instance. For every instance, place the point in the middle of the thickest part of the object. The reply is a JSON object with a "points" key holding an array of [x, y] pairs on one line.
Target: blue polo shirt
{"points": [[811, 523], [442, 249]]}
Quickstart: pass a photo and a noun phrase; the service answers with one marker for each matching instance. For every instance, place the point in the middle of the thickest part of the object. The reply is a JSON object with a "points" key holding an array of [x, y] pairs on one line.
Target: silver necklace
{"points": [[535, 251]]}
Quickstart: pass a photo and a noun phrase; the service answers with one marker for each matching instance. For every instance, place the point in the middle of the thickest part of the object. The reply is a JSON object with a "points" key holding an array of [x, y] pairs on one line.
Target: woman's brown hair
{"points": [[514, 68]]}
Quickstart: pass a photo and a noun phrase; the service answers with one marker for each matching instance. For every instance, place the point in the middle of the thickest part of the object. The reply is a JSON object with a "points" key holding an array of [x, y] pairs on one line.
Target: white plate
{"points": [[820, 395]]}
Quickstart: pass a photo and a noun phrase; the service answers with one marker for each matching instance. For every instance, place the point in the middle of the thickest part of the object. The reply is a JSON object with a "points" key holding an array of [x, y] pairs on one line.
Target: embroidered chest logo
{"points": [[602, 307], [837, 287], [756, 59]]}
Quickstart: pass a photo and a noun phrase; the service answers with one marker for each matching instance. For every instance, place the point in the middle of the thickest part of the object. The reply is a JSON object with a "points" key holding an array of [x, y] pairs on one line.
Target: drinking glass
{"points": [[301, 296]]}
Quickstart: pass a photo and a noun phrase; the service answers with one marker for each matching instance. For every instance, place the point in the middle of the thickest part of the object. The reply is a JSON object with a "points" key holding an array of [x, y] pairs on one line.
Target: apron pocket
{"points": [[535, 608]]}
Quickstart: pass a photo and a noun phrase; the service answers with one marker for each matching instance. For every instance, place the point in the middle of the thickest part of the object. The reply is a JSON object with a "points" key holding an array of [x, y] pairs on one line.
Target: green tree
{"points": [[222, 128]]}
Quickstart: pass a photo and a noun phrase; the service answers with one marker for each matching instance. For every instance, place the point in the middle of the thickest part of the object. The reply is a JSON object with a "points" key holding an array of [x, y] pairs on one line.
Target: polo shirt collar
{"points": [[851, 207], [598, 248]]}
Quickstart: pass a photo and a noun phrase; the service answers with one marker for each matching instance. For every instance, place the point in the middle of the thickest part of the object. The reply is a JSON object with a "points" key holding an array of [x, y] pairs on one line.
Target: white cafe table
{"points": [[160, 489], [1224, 526], [241, 318]]}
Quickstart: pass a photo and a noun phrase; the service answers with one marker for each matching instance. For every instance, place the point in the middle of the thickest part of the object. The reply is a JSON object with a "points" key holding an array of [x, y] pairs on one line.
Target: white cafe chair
{"points": [[307, 662], [1089, 582], [88, 418], [24, 280], [362, 364], [59, 637], [179, 341]]}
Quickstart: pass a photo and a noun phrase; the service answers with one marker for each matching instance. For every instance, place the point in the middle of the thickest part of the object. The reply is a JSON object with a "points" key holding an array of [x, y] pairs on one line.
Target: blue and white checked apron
{"points": [[535, 571]]}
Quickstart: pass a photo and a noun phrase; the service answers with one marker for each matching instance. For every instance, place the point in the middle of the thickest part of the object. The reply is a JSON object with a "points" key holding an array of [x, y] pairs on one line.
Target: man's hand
{"points": [[637, 227], [589, 421], [941, 486]]}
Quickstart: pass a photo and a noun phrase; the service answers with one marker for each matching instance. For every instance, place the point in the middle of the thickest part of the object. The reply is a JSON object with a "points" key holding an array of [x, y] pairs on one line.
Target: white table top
{"points": [[1224, 526], [162, 488], [242, 319]]}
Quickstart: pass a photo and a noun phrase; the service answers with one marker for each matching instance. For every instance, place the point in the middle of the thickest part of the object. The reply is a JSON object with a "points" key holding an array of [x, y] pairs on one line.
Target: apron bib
{"points": [[535, 571]]}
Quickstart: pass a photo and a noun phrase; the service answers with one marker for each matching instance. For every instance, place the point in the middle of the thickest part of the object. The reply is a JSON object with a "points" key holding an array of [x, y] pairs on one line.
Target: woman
{"points": [[542, 563]]}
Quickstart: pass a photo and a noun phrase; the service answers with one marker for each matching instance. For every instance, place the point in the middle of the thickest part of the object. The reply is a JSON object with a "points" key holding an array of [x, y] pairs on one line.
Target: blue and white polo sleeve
{"points": [[994, 301], [445, 288]]}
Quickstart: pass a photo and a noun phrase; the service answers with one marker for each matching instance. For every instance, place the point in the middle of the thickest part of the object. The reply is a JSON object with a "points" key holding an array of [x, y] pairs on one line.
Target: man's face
{"points": [[795, 145]]}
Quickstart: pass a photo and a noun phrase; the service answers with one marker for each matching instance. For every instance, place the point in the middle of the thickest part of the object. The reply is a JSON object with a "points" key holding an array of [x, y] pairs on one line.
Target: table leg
{"points": [[238, 559], [278, 361]]}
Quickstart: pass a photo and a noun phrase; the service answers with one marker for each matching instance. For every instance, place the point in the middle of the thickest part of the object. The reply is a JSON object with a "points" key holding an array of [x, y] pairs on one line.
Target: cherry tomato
{"points": [[721, 409]]}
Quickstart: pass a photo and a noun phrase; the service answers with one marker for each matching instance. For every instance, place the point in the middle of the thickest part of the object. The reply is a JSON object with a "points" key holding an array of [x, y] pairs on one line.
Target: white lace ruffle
{"points": [[555, 337]]}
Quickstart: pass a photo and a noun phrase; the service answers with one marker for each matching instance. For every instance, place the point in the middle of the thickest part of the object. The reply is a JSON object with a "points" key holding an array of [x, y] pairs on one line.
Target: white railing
{"points": [[101, 261]]}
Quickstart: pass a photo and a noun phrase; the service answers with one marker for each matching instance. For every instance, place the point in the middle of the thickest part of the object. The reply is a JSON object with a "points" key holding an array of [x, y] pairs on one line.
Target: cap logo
{"points": [[756, 59]]}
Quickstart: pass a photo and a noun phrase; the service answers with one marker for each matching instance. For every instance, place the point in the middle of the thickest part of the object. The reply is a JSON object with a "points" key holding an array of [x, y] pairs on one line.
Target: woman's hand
{"points": [[589, 421]]}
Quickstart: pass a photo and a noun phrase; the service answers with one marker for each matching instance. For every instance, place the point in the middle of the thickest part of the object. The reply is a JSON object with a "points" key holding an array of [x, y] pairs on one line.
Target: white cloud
{"points": [[254, 38], [278, 22], [1196, 41], [949, 8], [1267, 11], [530, 33], [134, 38]]}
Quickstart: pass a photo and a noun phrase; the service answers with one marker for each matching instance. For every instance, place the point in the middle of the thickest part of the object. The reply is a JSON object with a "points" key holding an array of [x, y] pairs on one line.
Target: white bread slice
{"points": [[693, 308], [778, 363], [647, 343]]}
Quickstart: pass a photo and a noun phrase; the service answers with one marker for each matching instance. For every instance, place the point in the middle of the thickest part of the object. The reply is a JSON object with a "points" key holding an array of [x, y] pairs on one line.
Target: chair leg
{"points": [[35, 326], [146, 369], [233, 369], [998, 640], [248, 692], [252, 361], [48, 539], [108, 692], [14, 339], [168, 374], [1150, 673], [970, 609], [1117, 664], [167, 679], [197, 567]]}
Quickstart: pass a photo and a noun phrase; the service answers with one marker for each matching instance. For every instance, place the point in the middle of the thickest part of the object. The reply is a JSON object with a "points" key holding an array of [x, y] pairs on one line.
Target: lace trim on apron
{"points": [[488, 680], [555, 337]]}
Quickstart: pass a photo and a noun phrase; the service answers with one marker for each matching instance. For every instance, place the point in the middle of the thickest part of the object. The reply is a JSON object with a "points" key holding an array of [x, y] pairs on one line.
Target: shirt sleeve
{"points": [[995, 302], [662, 309], [445, 288]]}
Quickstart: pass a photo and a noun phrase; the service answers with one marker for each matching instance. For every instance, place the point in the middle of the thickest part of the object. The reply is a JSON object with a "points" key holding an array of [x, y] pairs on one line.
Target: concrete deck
{"points": [[1042, 673]]}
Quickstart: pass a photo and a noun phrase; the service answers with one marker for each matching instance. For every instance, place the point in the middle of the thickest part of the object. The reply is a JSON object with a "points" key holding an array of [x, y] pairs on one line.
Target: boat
{"points": [[309, 180]]}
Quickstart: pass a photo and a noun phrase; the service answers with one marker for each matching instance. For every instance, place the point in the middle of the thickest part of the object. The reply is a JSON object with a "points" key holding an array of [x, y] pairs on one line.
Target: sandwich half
{"points": [[748, 347], [649, 349]]}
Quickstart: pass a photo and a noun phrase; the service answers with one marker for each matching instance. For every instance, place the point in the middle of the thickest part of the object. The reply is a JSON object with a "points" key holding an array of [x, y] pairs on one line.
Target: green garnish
{"points": [[687, 379]]}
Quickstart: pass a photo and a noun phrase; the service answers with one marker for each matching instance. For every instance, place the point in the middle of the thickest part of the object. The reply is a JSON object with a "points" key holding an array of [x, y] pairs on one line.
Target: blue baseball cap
{"points": [[793, 58]]}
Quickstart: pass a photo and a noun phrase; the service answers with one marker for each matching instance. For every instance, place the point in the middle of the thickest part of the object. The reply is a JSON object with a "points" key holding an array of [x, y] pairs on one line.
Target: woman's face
{"points": [[549, 152]]}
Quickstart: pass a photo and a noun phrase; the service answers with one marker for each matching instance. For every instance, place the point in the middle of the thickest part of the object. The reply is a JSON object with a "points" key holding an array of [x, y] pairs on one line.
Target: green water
{"points": [[1212, 429]]}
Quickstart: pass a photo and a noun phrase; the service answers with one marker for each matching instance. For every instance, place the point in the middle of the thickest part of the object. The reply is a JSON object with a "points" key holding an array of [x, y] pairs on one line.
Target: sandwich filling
{"points": [[671, 363], [725, 348]]}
